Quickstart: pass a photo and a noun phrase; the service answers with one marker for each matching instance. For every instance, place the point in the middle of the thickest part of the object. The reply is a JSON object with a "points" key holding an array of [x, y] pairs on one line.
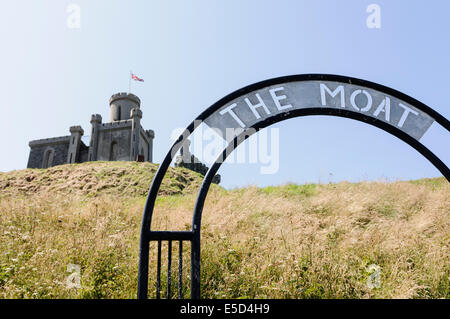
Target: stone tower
{"points": [[76, 132], [123, 138], [121, 105]]}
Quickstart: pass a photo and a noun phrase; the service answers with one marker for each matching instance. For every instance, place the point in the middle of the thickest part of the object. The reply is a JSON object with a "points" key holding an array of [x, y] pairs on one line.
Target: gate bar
{"points": [[170, 235], [158, 272], [169, 268], [180, 270]]}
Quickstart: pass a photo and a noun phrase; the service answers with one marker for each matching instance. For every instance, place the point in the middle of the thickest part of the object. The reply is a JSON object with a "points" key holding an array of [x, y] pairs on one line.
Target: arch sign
{"points": [[245, 111]]}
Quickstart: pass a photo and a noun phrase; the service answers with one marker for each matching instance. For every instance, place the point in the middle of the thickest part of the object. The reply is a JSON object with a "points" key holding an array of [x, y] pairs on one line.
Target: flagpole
{"points": [[129, 83]]}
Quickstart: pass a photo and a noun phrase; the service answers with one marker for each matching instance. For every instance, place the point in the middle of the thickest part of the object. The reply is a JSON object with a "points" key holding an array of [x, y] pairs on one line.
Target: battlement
{"points": [[96, 118], [76, 129], [150, 133], [116, 124], [124, 96], [51, 140], [136, 113]]}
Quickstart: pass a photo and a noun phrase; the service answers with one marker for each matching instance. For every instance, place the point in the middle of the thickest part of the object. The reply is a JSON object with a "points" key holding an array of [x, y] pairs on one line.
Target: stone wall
{"points": [[189, 161], [83, 154], [119, 134], [144, 145], [195, 165], [59, 146]]}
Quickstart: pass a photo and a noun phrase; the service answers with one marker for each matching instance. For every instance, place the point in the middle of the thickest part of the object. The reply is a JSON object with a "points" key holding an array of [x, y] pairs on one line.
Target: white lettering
{"points": [[277, 99], [339, 89], [229, 110], [254, 107], [369, 100], [385, 106], [405, 114], [193, 309]]}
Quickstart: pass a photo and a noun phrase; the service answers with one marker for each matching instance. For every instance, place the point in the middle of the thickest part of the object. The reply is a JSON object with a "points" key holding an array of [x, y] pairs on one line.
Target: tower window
{"points": [[119, 113], [113, 151], [48, 158]]}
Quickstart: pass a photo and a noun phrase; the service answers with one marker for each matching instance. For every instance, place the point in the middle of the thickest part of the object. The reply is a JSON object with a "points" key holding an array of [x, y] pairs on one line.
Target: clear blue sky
{"points": [[192, 53]]}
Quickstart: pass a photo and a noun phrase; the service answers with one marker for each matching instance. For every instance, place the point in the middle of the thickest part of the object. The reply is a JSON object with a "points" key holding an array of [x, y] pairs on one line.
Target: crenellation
{"points": [[150, 133], [96, 118], [50, 140], [122, 123], [76, 129], [136, 112], [124, 95]]}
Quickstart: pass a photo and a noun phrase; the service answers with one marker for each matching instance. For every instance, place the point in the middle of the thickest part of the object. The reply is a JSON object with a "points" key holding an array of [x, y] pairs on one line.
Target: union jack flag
{"points": [[134, 77]]}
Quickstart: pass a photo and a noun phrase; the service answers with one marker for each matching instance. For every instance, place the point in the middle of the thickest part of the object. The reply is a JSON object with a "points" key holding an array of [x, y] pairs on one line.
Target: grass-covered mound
{"points": [[95, 178], [290, 241]]}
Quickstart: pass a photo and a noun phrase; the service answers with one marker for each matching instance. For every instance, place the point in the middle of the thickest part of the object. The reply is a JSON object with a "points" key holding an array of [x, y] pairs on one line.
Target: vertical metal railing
{"points": [[158, 272], [180, 270], [169, 268], [170, 237]]}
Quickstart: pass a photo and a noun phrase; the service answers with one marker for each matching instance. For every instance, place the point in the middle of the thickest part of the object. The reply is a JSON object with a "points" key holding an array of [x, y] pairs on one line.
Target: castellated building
{"points": [[122, 139]]}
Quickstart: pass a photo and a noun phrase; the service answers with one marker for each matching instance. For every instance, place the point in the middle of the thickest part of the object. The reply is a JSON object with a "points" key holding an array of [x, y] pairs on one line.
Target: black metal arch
{"points": [[194, 235]]}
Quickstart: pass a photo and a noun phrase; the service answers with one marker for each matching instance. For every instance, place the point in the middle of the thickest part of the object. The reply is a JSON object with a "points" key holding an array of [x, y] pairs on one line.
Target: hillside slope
{"points": [[288, 241], [94, 178]]}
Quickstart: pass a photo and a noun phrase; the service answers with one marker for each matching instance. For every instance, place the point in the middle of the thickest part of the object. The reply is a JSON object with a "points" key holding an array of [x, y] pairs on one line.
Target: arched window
{"points": [[113, 151], [48, 158]]}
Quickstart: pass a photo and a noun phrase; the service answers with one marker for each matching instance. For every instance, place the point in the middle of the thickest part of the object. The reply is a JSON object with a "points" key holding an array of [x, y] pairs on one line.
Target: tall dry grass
{"points": [[306, 241]]}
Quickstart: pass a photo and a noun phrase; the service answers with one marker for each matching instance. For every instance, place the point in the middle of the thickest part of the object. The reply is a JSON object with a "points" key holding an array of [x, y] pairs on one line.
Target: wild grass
{"points": [[291, 241]]}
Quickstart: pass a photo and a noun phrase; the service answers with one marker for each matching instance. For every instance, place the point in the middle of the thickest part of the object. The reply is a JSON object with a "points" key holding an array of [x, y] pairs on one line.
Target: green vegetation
{"points": [[288, 241], [290, 190]]}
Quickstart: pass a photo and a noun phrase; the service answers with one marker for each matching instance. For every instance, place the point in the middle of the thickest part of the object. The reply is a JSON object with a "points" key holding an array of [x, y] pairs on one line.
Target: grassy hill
{"points": [[289, 241], [96, 178]]}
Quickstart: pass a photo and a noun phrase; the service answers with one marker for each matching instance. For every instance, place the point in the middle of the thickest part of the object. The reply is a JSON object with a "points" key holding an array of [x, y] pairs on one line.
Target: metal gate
{"points": [[412, 120]]}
